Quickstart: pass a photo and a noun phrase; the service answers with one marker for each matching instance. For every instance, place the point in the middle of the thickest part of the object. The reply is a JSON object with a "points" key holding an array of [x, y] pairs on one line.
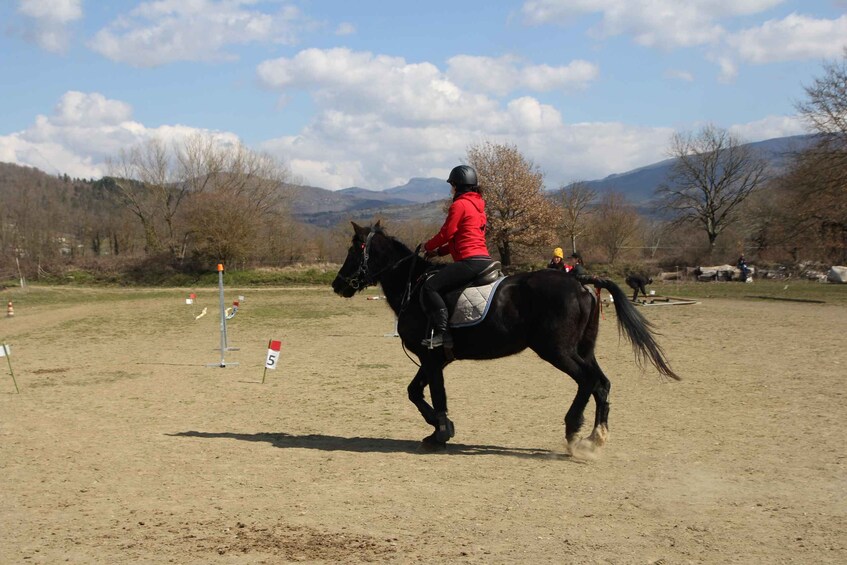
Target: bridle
{"points": [[363, 277]]}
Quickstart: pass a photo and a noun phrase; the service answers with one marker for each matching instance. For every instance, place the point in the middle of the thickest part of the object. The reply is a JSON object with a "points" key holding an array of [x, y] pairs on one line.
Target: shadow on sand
{"points": [[374, 445]]}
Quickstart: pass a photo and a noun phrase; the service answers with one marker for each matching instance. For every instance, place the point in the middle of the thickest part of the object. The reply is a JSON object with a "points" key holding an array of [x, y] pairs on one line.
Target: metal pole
{"points": [[223, 308], [223, 318]]}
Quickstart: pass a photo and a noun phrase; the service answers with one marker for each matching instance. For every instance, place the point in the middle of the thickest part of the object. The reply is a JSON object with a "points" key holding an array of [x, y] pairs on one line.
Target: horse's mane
{"points": [[377, 228]]}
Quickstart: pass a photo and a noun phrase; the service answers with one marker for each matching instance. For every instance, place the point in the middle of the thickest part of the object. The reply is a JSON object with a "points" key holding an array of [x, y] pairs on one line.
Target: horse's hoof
{"points": [[432, 443], [445, 429], [584, 449]]}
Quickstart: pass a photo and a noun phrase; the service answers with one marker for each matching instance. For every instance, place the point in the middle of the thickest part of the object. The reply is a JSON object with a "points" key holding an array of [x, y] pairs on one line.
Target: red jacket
{"points": [[463, 232]]}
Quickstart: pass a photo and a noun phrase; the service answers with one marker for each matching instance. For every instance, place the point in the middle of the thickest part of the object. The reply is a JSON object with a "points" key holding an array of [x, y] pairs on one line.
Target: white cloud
{"points": [[793, 38], [49, 20], [63, 11], [164, 31], [369, 144], [769, 127], [360, 82], [506, 74], [381, 120], [345, 28], [728, 69], [84, 130], [677, 74], [652, 23]]}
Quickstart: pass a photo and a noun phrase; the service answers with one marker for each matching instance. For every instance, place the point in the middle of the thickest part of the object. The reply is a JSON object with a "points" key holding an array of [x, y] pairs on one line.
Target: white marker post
{"points": [[6, 351], [273, 356], [190, 301]]}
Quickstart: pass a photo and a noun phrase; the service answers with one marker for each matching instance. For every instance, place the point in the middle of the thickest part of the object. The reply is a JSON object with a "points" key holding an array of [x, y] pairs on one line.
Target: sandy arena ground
{"points": [[124, 447]]}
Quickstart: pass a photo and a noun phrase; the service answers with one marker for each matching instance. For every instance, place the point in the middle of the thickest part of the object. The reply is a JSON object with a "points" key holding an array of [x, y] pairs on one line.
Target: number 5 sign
{"points": [[273, 354]]}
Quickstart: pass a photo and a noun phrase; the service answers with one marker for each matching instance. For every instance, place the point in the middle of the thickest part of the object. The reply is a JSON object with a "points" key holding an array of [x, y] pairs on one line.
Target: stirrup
{"points": [[438, 340]]}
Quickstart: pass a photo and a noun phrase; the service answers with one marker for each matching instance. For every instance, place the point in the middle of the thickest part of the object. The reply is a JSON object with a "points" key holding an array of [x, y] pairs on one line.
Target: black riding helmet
{"points": [[462, 176]]}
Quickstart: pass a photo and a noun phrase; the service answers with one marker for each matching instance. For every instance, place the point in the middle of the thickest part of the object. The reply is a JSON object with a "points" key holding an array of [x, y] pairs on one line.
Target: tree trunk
{"points": [[505, 251], [712, 238]]}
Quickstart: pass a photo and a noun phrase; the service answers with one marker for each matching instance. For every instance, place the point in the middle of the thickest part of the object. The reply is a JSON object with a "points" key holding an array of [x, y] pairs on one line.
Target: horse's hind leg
{"points": [[602, 388], [575, 415], [580, 372]]}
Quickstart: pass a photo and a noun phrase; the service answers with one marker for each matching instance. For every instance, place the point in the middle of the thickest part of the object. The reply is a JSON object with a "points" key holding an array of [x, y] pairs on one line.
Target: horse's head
{"points": [[357, 271]]}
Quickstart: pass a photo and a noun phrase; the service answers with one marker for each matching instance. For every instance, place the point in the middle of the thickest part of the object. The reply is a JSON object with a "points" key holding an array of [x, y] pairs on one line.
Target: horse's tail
{"points": [[638, 330]]}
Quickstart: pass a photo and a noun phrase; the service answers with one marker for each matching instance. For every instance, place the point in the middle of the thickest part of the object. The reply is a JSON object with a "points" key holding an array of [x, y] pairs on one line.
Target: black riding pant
{"points": [[453, 276]]}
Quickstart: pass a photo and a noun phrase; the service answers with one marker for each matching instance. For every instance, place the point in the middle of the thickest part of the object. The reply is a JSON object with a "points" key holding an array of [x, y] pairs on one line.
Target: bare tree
{"points": [[247, 195], [519, 215], [576, 200], [146, 181], [617, 222], [825, 108], [819, 175], [233, 190], [713, 173]]}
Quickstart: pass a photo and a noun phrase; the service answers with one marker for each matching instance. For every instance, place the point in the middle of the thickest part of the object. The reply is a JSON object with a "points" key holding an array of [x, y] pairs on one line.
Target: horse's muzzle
{"points": [[342, 288]]}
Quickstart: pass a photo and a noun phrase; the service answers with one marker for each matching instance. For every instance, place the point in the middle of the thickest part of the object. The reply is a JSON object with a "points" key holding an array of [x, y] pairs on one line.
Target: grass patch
{"points": [[154, 275], [37, 295], [792, 290]]}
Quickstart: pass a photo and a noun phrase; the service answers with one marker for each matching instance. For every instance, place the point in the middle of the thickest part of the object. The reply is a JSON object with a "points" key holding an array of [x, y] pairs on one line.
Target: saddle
{"points": [[468, 306]]}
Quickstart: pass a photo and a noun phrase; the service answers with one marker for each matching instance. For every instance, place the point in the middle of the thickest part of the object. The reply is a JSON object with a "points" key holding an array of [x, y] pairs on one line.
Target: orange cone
{"points": [[10, 310]]}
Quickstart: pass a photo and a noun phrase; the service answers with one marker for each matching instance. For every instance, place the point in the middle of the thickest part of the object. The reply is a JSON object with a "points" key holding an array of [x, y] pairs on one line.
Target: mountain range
{"points": [[422, 198]]}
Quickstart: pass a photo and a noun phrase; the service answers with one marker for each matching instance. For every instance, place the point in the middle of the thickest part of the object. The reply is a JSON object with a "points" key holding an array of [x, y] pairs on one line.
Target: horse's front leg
{"points": [[444, 429], [431, 374], [416, 395]]}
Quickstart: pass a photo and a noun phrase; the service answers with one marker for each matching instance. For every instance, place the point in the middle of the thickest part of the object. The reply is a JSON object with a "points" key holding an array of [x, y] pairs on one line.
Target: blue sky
{"points": [[371, 93]]}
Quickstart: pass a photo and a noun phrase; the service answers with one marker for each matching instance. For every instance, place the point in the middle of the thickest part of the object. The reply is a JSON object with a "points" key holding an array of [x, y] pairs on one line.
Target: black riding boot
{"points": [[440, 336]]}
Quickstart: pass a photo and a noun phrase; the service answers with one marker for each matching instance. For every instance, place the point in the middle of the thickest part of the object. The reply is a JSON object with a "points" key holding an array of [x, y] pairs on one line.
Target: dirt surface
{"points": [[124, 447]]}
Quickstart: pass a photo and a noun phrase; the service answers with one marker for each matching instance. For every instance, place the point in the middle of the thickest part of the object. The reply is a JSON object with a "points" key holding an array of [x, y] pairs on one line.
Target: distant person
{"points": [[638, 282], [742, 266], [558, 260], [575, 264]]}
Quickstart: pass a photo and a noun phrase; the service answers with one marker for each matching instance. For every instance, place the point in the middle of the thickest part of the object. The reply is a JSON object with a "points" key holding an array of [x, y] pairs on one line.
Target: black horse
{"points": [[551, 312]]}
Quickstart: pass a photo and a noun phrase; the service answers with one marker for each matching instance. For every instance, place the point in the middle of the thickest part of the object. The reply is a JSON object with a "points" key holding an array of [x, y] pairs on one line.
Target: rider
{"points": [[463, 237]]}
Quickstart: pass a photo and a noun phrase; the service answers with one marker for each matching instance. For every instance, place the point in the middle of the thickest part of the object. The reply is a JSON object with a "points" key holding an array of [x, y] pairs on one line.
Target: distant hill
{"points": [[640, 184], [422, 198], [323, 207], [422, 190], [417, 190]]}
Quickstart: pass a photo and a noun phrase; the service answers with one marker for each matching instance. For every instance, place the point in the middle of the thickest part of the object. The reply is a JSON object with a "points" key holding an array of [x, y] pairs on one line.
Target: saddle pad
{"points": [[472, 305]]}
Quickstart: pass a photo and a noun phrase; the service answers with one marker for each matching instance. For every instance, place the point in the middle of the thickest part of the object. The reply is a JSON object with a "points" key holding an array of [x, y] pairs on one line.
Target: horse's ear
{"points": [[377, 225], [359, 230]]}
